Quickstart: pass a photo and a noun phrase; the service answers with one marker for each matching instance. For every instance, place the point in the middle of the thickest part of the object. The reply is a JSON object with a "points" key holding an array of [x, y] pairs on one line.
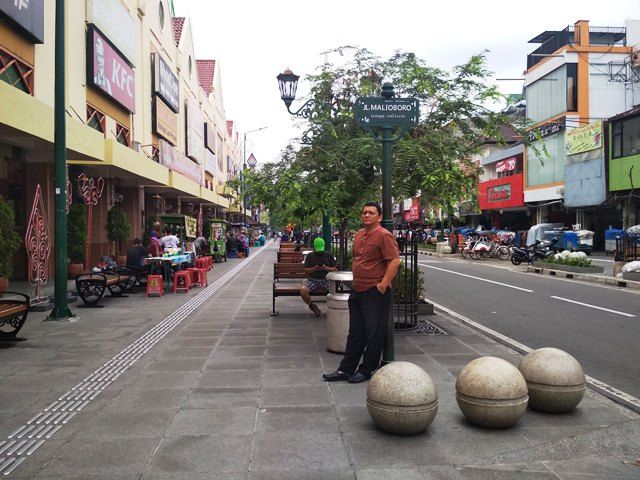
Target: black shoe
{"points": [[336, 376], [358, 377], [314, 308]]}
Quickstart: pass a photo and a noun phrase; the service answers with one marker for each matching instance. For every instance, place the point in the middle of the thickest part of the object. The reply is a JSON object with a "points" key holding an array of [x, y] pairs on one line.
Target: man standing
{"points": [[317, 264], [375, 263]]}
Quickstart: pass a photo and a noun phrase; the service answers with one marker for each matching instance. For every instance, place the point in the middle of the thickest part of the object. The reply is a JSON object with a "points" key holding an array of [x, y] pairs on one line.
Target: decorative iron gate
{"points": [[405, 285]]}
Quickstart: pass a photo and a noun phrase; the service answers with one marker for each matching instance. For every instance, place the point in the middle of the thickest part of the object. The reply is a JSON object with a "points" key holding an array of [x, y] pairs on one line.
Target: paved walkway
{"points": [[232, 393]]}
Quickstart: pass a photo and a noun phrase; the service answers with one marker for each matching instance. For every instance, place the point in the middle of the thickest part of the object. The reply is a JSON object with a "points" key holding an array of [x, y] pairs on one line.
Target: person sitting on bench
{"points": [[317, 264]]}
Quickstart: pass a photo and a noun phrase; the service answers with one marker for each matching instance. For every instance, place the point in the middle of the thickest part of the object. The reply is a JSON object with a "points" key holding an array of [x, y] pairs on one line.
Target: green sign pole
{"points": [[388, 355], [61, 309]]}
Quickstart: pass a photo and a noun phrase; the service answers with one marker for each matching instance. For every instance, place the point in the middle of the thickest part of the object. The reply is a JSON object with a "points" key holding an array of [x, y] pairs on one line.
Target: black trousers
{"points": [[368, 316]]}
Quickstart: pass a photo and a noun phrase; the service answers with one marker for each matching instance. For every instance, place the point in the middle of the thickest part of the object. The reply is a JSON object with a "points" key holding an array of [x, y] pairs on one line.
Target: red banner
{"points": [[506, 165]]}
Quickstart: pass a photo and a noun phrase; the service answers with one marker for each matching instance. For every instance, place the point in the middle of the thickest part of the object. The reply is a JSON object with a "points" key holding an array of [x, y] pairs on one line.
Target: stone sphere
{"points": [[402, 399], [555, 380], [491, 393], [576, 254], [446, 249]]}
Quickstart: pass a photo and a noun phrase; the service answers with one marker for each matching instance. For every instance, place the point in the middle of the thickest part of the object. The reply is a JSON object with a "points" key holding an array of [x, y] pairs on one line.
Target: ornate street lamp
{"points": [[252, 161], [288, 83]]}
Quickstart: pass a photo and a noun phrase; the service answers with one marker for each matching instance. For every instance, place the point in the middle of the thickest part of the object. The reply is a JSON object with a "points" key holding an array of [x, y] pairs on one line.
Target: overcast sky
{"points": [[254, 40]]}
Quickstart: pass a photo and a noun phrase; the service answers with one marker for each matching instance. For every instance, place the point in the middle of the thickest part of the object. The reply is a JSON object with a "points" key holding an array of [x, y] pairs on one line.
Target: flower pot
{"points": [[4, 283], [74, 269]]}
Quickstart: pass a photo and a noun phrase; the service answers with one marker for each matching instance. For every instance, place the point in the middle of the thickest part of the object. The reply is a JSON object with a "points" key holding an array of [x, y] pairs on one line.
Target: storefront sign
{"points": [[414, 212], [584, 139], [209, 137], [174, 160], [165, 122], [499, 193], [109, 72], [166, 83], [210, 162], [190, 226], [506, 165], [28, 15], [547, 129], [195, 131], [406, 204], [387, 112], [116, 24]]}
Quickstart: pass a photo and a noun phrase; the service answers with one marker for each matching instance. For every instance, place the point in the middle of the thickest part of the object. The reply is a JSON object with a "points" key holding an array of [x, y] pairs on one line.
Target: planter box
{"points": [[425, 308], [569, 268], [633, 276]]}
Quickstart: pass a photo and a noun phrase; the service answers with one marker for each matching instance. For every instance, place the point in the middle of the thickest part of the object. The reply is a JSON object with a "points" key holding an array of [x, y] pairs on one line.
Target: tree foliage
{"points": [[9, 240], [340, 168], [118, 227], [77, 233]]}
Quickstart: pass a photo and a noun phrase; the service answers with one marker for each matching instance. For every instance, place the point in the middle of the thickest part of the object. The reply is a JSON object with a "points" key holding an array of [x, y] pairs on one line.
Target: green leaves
{"points": [[9, 239]]}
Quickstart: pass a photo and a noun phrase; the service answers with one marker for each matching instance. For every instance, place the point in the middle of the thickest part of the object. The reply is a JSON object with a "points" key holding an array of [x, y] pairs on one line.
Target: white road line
{"points": [[602, 260], [476, 278], [593, 306], [602, 388]]}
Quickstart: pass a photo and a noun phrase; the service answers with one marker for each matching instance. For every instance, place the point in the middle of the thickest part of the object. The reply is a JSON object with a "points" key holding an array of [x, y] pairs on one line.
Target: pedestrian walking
{"points": [[375, 263]]}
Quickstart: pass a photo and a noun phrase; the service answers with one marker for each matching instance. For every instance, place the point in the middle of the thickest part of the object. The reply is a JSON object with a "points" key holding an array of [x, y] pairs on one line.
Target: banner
{"points": [[109, 72], [506, 165], [165, 122], [166, 83], [174, 160], [113, 20], [195, 131], [584, 139], [414, 212], [28, 15], [499, 193]]}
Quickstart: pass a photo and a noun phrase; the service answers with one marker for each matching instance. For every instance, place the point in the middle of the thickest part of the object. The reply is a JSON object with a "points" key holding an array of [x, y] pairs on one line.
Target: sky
{"points": [[254, 40]]}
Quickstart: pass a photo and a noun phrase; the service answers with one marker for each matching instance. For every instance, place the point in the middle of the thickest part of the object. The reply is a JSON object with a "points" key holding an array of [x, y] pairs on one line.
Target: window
{"points": [[123, 135], [16, 73], [625, 137], [161, 15], [555, 93], [95, 119]]}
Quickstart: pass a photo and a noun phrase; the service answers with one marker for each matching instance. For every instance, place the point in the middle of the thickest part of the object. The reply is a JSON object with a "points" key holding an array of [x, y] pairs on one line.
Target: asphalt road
{"points": [[602, 331]]}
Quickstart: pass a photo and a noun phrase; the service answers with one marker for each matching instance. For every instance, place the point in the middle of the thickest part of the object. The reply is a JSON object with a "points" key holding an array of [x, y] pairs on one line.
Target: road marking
{"points": [[476, 278], [593, 306], [596, 385], [602, 260]]}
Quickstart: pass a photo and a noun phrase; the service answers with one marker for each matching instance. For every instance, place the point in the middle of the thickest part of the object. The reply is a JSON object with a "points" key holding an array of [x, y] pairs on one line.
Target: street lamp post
{"points": [[244, 167], [288, 83]]}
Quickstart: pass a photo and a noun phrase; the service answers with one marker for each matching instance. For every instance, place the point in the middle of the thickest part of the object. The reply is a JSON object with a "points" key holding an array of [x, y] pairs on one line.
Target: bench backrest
{"points": [[290, 257], [288, 270], [287, 246]]}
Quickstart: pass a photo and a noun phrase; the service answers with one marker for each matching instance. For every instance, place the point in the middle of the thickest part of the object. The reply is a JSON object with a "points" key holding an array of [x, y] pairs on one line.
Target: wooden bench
{"points": [[289, 271], [13, 314], [287, 246], [92, 286], [288, 256]]}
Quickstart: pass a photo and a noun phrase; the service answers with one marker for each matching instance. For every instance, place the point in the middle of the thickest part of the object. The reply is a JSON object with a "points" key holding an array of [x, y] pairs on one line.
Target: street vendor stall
{"points": [[218, 239], [184, 226]]}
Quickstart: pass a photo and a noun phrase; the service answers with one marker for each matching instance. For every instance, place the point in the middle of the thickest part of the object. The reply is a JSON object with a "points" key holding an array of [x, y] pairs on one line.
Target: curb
{"points": [[610, 281], [613, 394]]}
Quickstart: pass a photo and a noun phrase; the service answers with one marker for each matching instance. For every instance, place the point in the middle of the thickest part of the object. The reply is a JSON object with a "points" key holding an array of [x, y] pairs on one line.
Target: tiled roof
{"points": [[230, 127], [177, 23], [206, 69]]}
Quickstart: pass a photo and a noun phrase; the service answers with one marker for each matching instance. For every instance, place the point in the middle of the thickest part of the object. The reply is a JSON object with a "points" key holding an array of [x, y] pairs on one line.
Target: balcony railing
{"points": [[613, 36]]}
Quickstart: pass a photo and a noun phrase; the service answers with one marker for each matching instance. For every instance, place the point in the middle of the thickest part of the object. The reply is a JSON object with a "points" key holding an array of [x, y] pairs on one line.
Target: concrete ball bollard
{"points": [[491, 393], [555, 380], [402, 399]]}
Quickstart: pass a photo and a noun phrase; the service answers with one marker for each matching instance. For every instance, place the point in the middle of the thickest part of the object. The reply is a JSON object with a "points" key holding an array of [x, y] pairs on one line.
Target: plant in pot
{"points": [[9, 243], [76, 239], [118, 230]]}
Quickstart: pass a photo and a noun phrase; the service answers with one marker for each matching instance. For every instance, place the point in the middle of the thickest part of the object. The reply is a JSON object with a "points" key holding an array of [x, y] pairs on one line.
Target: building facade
{"points": [[143, 114]]}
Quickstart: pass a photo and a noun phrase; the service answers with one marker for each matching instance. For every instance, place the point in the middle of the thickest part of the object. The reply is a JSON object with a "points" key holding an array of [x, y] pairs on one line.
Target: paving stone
{"points": [[176, 365], [196, 341], [222, 398], [195, 476], [217, 454], [313, 364], [135, 400], [229, 379], [289, 377], [233, 352], [344, 393], [227, 421], [243, 341], [133, 423], [306, 396], [299, 451], [235, 363], [418, 473], [303, 475], [163, 380], [297, 419]]}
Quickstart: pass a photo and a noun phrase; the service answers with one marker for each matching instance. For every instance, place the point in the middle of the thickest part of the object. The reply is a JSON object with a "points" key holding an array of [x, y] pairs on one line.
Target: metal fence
{"points": [[405, 285], [627, 248]]}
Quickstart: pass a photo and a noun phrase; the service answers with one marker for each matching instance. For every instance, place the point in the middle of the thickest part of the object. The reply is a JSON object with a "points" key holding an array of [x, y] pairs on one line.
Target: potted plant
{"points": [[76, 239], [118, 230], [9, 243]]}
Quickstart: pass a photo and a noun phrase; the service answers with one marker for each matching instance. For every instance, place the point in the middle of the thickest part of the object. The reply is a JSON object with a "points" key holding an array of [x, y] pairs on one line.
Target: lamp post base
{"points": [[61, 315]]}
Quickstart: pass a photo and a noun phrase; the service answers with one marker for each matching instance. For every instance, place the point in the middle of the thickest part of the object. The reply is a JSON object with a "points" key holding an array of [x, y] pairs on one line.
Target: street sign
{"points": [[387, 112]]}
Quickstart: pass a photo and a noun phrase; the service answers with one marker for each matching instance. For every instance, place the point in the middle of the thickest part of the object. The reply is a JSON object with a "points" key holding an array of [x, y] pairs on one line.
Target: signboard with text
{"points": [[166, 83], [28, 15], [547, 129], [171, 158], [109, 72], [387, 112], [195, 131], [165, 122], [115, 23], [584, 139], [506, 165], [499, 193]]}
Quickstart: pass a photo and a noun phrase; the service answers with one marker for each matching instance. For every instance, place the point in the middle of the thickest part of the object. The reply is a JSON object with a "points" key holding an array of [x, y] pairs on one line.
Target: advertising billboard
{"points": [[166, 83], [165, 122], [195, 131], [27, 15], [115, 23]]}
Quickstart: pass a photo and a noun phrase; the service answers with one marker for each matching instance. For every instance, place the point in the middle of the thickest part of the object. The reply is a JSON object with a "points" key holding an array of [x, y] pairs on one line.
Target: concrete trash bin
{"points": [[337, 322]]}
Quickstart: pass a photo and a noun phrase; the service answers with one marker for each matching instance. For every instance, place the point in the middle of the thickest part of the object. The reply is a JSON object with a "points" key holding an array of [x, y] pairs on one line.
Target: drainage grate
{"points": [[425, 327], [29, 437]]}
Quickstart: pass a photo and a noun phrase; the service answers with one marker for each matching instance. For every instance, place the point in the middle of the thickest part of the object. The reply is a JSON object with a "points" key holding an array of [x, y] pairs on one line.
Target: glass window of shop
{"points": [[625, 137], [553, 94], [545, 160]]}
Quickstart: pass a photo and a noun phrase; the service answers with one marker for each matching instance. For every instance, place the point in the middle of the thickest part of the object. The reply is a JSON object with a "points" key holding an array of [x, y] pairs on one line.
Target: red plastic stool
{"points": [[155, 284], [181, 281], [194, 274], [202, 277], [210, 260], [201, 262]]}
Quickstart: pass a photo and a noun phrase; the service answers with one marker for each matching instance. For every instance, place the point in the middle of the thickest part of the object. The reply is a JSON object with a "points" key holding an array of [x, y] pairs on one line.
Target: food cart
{"points": [[218, 239]]}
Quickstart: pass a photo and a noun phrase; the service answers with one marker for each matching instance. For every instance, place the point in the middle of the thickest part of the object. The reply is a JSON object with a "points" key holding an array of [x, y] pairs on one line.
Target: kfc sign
{"points": [[499, 193], [109, 72]]}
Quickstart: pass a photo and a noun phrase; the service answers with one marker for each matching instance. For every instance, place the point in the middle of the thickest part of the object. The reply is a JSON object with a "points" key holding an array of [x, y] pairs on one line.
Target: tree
{"points": [[118, 228], [77, 233], [340, 168]]}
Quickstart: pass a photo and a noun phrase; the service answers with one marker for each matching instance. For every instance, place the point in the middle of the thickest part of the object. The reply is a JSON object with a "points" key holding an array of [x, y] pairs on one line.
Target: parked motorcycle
{"points": [[537, 251]]}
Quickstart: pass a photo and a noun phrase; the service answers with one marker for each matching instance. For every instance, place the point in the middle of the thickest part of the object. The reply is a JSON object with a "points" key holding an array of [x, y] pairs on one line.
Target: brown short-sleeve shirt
{"points": [[371, 254]]}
